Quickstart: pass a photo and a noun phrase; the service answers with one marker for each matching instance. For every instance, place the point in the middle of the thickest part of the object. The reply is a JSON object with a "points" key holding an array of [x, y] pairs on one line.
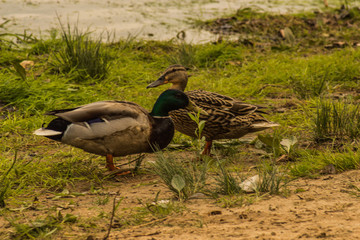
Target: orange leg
{"points": [[207, 148], [110, 165]]}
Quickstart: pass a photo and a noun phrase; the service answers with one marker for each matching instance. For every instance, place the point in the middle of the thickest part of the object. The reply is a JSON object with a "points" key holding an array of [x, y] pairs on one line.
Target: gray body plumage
{"points": [[121, 128]]}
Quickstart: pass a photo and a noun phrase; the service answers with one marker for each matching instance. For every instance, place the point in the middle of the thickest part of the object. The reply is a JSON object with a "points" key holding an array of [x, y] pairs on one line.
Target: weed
{"points": [[336, 120], [162, 208], [271, 180], [185, 55], [157, 209], [227, 183], [42, 228], [272, 143], [277, 145], [199, 141], [102, 200], [232, 201], [313, 86], [355, 191], [5, 183], [184, 179], [311, 163], [126, 44], [81, 57], [47, 46]]}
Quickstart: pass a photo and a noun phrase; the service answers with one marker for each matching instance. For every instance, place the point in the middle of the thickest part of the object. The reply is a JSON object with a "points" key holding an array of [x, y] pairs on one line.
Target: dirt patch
{"points": [[327, 207], [332, 29]]}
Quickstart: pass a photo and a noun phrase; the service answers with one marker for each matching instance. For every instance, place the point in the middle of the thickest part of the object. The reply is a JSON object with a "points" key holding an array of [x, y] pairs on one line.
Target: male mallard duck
{"points": [[117, 128], [227, 118]]}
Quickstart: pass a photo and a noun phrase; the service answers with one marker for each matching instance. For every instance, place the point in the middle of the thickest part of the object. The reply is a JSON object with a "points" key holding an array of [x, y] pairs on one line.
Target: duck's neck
{"points": [[162, 133], [159, 111], [180, 85]]}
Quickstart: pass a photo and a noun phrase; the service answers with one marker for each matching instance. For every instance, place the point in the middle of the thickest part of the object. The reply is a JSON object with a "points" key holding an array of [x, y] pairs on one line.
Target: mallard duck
{"points": [[117, 128], [227, 118]]}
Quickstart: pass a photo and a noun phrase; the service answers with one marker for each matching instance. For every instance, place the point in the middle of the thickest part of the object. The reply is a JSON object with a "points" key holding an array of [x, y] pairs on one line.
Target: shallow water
{"points": [[146, 19]]}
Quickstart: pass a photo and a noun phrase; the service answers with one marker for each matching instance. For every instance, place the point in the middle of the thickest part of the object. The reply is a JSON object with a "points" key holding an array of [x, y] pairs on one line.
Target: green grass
{"points": [[42, 228], [81, 57], [272, 179], [313, 163], [228, 184], [183, 179], [337, 120]]}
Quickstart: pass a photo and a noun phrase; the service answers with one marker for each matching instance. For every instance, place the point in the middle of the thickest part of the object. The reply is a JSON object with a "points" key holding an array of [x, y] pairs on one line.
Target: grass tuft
{"points": [[271, 180], [184, 179], [313, 163], [42, 228], [81, 57], [227, 183], [5, 183], [336, 120], [185, 55]]}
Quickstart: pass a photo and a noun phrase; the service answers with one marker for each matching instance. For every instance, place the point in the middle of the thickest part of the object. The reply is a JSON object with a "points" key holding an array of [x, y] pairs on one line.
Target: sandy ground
{"points": [[323, 208], [147, 19]]}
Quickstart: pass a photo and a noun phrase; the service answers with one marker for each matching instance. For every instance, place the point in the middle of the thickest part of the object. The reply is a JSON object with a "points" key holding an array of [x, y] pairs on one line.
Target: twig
{"points": [[138, 162], [112, 216], [135, 160], [149, 223], [270, 85]]}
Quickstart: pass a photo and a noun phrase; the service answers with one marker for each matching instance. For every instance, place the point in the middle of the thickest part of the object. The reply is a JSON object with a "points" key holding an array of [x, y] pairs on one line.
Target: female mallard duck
{"points": [[117, 128], [227, 118]]}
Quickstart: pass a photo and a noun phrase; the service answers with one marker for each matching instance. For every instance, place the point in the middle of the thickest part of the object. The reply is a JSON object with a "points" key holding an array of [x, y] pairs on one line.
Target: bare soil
{"points": [[327, 207]]}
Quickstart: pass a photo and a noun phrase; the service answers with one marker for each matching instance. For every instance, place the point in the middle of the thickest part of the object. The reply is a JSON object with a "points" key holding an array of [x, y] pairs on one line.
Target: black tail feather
{"points": [[60, 125]]}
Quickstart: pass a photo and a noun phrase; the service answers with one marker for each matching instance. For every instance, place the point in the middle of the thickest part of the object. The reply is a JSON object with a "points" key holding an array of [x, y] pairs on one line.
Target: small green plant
{"points": [[271, 180], [46, 46], [200, 126], [227, 183], [178, 183], [184, 179], [126, 44], [42, 228], [81, 57], [313, 162], [232, 201], [158, 210], [185, 55], [5, 183], [277, 145], [162, 208], [355, 190], [314, 85], [272, 143], [102, 200], [336, 120]]}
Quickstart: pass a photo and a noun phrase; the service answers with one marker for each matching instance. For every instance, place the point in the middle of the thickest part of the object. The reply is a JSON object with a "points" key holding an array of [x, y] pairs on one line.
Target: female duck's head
{"points": [[171, 100], [175, 74]]}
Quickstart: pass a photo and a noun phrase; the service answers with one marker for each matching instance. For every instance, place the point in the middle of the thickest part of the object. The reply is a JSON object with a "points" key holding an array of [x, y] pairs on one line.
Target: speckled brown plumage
{"points": [[227, 118]]}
